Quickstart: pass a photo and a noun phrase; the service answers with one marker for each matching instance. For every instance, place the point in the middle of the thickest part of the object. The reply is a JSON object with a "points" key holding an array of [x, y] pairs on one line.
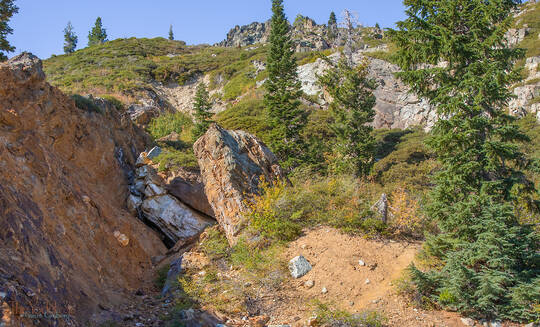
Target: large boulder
{"points": [[191, 192], [232, 164], [177, 222], [173, 218]]}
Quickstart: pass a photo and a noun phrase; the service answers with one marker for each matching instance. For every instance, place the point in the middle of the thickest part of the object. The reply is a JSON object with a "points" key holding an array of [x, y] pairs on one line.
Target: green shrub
{"points": [[165, 124], [215, 244], [404, 160], [237, 86], [161, 276], [247, 115], [85, 104], [114, 101], [171, 159], [343, 202], [327, 316]]}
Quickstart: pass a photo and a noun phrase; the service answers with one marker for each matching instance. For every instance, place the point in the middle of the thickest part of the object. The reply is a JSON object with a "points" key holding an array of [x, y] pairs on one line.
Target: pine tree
{"points": [[202, 107], [453, 54], [171, 35], [70, 39], [283, 92], [98, 34], [352, 107], [7, 9], [332, 27]]}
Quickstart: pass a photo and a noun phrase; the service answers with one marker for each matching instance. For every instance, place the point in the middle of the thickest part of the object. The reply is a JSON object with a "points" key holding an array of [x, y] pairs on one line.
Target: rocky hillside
{"points": [[306, 34], [153, 76], [69, 246]]}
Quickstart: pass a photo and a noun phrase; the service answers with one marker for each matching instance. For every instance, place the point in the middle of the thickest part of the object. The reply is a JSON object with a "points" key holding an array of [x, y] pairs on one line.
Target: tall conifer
{"points": [[202, 107], [7, 9], [98, 34], [283, 92], [70, 39], [171, 34], [352, 108], [453, 53], [332, 27]]}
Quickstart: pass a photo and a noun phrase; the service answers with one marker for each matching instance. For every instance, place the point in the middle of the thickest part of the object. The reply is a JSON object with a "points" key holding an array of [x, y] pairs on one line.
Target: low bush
{"points": [[85, 104], [115, 102], [327, 316], [166, 124], [247, 115], [406, 216], [281, 211], [404, 159], [171, 159]]}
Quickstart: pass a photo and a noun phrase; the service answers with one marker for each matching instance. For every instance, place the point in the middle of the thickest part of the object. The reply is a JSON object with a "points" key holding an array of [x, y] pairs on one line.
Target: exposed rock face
{"points": [[306, 35], [232, 163], [395, 106], [187, 186], [67, 240], [247, 35], [528, 91], [515, 35], [181, 97], [381, 208], [178, 223]]}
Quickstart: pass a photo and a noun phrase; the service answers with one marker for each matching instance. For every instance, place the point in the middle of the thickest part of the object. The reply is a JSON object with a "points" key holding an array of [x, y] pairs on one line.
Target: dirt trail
{"points": [[335, 260]]}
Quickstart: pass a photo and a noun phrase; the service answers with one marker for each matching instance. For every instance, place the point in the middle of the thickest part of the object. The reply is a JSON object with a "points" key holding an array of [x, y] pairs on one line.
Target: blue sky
{"points": [[38, 25]]}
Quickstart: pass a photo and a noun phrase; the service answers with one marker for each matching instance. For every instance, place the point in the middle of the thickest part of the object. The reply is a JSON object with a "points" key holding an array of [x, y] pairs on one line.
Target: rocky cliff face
{"points": [[241, 36], [306, 35], [68, 244], [395, 106]]}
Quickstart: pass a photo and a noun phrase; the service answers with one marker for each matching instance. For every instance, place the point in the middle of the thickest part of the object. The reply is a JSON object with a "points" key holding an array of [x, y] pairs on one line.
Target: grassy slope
{"points": [[125, 66], [531, 18]]}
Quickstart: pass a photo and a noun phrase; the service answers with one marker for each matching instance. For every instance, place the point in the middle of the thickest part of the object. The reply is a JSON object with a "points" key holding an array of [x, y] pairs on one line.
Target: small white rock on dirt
{"points": [[467, 321], [309, 283], [324, 290], [361, 263], [299, 266], [368, 281]]}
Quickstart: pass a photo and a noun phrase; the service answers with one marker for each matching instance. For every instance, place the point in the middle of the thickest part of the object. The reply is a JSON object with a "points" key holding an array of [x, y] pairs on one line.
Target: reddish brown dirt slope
{"points": [[63, 184]]}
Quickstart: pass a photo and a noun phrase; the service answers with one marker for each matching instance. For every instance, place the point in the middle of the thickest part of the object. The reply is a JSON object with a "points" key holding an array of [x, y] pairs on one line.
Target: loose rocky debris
{"points": [[299, 266], [232, 165], [150, 198]]}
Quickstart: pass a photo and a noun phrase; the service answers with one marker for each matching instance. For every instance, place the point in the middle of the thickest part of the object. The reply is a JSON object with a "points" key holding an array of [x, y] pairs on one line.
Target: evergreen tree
{"points": [[7, 9], [70, 39], [98, 34], [283, 92], [202, 109], [171, 35], [332, 27], [352, 107], [453, 54]]}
